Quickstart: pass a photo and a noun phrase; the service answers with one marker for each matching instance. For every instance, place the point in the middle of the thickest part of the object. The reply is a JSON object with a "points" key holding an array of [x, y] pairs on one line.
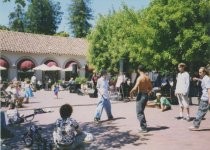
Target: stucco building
{"points": [[21, 52]]}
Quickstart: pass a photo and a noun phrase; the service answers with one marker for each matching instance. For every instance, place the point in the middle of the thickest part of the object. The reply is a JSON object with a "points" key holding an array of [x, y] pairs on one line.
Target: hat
{"points": [[158, 94]]}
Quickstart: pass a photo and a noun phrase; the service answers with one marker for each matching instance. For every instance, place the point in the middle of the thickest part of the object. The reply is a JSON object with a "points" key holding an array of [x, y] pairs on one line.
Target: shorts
{"points": [[183, 100]]}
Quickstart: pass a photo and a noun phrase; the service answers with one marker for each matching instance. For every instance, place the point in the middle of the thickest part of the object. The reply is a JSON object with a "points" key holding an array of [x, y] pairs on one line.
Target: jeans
{"points": [[141, 101], [103, 103], [202, 110]]}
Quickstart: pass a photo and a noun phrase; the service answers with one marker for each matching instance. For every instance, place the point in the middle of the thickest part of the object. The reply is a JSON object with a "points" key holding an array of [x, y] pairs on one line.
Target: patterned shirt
{"points": [[66, 130]]}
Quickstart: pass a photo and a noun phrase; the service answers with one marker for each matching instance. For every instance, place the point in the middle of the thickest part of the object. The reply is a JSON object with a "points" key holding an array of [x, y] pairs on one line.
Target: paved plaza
{"points": [[165, 132]]}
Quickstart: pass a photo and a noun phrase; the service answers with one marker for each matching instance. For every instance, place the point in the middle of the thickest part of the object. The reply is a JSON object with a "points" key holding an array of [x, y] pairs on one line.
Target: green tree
{"points": [[117, 36], [79, 16], [181, 32], [62, 34], [43, 17], [2, 27], [20, 2], [160, 36], [16, 19]]}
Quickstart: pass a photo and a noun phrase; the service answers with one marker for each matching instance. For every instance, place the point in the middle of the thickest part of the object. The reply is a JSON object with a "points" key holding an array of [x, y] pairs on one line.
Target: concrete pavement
{"points": [[165, 132]]}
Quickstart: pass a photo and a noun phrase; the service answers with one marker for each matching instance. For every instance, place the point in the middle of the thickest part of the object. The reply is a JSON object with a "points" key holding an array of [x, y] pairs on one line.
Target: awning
{"points": [[69, 66], [51, 63], [4, 63], [42, 67], [26, 65]]}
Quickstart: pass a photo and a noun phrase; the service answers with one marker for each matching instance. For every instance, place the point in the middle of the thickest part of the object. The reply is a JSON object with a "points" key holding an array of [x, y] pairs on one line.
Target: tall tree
{"points": [[79, 16], [16, 19], [160, 36], [62, 34], [2, 27], [43, 16]]}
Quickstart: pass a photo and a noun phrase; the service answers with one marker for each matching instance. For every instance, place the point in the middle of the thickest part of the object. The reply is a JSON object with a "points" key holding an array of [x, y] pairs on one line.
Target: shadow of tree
{"points": [[107, 136]]}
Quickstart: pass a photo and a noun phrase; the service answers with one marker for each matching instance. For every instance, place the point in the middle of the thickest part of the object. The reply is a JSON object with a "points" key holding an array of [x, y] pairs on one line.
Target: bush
{"points": [[80, 80]]}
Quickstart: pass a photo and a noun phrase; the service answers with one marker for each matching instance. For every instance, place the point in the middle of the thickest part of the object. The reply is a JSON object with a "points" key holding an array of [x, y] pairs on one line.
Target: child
{"points": [[28, 91], [68, 134], [56, 90], [162, 102], [13, 115]]}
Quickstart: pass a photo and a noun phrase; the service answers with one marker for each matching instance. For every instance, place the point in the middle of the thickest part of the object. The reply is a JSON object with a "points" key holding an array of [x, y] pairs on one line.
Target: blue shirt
{"points": [[205, 84]]}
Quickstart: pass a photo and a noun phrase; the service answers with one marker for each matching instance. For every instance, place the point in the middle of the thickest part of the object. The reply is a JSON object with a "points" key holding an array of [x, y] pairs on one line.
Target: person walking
{"points": [[103, 95], [205, 98], [144, 87], [182, 90]]}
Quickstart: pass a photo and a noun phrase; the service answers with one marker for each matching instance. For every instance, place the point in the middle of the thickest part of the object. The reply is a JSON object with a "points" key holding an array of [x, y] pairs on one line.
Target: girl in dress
{"points": [[56, 90]]}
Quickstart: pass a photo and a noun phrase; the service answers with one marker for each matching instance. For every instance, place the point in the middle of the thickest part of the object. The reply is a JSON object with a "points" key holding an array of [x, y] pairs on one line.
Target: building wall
{"points": [[13, 58]]}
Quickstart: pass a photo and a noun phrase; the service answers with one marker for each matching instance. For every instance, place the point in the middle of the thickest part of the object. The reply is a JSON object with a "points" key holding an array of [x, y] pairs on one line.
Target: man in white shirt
{"points": [[205, 98], [103, 95], [182, 90]]}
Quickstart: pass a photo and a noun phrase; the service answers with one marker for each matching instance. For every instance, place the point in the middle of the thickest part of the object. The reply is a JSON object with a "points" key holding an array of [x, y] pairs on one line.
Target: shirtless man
{"points": [[144, 88]]}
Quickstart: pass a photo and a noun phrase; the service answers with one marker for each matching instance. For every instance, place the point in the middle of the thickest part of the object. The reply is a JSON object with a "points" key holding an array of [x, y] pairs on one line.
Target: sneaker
{"points": [[111, 118], [193, 128], [179, 118], [143, 130], [96, 120], [187, 119]]}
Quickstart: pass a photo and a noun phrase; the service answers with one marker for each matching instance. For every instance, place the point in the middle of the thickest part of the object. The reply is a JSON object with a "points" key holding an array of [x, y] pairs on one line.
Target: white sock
{"points": [[180, 114]]}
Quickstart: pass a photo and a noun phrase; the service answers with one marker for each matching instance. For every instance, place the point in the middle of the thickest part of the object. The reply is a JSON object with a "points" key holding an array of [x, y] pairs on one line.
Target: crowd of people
{"points": [[142, 89], [18, 92]]}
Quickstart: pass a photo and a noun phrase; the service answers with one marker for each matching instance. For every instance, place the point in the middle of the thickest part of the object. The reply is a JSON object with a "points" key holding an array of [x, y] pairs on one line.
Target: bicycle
{"points": [[33, 134]]}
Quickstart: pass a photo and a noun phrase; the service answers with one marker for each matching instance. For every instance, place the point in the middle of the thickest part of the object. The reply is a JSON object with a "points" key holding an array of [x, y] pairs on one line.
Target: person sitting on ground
{"points": [[13, 115], [162, 102], [64, 135]]}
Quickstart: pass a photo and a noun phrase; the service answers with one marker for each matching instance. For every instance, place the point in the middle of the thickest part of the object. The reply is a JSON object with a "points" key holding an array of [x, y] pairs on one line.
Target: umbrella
{"points": [[68, 69], [54, 68], [2, 68], [42, 67]]}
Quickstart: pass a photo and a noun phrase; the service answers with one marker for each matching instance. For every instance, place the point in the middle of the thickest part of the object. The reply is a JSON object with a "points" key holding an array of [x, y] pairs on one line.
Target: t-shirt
{"points": [[183, 82], [66, 130], [205, 84], [12, 114], [163, 101], [103, 86]]}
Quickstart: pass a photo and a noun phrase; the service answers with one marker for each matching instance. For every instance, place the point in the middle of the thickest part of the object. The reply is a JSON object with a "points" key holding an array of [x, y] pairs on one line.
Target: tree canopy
{"points": [[159, 36], [16, 19], [62, 34], [79, 16], [43, 16]]}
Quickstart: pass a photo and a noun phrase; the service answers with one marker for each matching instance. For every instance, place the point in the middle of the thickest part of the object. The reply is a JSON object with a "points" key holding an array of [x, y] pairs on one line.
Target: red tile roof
{"points": [[11, 41]]}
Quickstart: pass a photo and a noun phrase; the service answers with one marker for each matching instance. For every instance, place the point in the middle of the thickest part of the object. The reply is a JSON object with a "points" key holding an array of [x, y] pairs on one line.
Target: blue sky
{"points": [[98, 6]]}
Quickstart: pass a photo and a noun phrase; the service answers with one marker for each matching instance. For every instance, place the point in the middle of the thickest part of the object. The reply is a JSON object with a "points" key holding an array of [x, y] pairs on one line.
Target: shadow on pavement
{"points": [[157, 128], [203, 130], [108, 136]]}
